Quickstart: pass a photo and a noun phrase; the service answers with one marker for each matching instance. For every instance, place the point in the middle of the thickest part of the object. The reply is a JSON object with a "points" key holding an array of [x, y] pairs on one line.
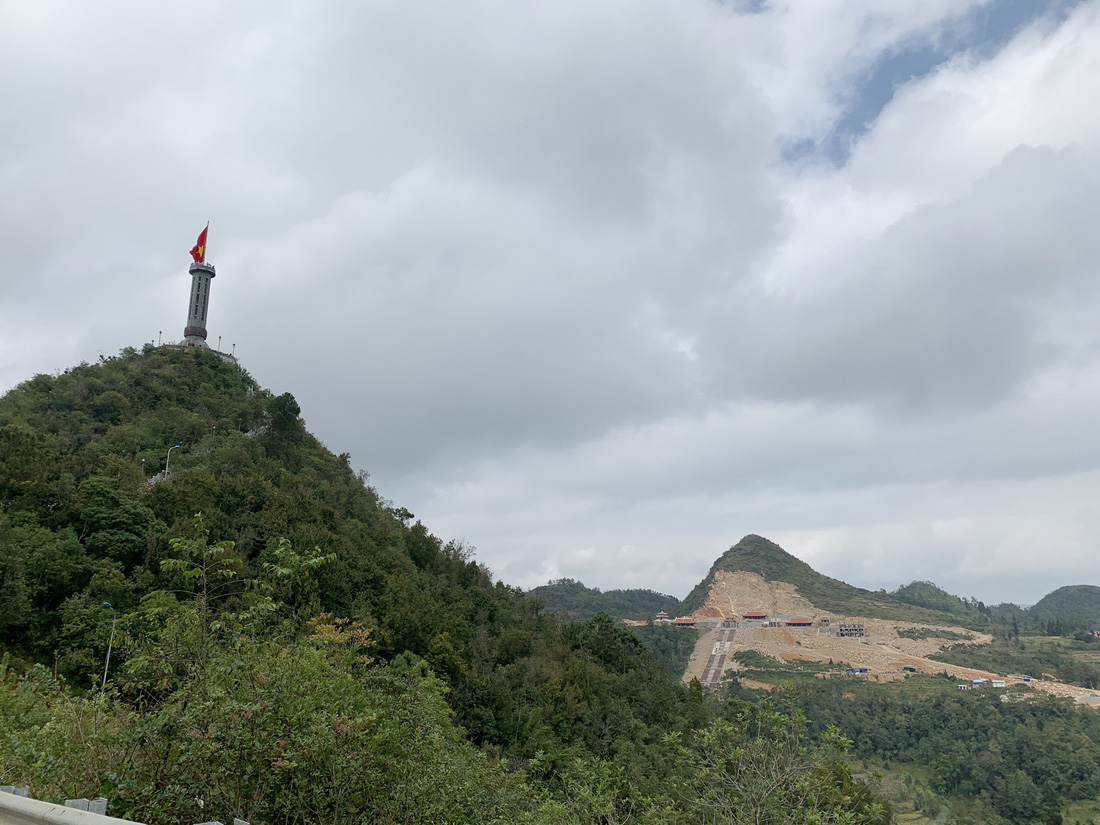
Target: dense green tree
{"points": [[755, 767]]}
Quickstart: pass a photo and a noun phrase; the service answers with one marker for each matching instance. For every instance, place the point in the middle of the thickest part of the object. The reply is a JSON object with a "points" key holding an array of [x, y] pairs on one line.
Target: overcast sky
{"points": [[600, 286]]}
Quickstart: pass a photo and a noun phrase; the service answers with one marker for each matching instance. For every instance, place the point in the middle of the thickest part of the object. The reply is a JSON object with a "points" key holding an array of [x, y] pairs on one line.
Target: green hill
{"points": [[755, 554], [572, 600], [1006, 612], [1067, 609], [306, 651], [87, 515], [927, 594]]}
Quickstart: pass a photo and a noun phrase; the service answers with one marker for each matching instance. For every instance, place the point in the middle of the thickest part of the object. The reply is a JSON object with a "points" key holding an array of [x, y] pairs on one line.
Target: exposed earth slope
{"points": [[870, 633]]}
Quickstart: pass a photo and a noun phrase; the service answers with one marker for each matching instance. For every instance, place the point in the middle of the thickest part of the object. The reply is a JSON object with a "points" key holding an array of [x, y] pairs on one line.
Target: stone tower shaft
{"points": [[194, 334]]}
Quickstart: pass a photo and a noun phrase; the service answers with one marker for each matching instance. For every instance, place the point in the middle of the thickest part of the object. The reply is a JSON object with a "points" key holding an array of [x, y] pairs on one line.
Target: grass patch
{"points": [[1031, 655], [931, 633], [756, 661], [915, 688], [1081, 813]]}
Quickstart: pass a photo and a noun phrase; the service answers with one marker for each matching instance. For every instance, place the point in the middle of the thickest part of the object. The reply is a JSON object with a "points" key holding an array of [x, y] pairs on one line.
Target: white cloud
{"points": [[543, 272]]}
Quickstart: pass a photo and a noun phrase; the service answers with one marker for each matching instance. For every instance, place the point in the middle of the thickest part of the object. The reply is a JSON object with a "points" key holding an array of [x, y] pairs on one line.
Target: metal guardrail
{"points": [[16, 808], [92, 806]]}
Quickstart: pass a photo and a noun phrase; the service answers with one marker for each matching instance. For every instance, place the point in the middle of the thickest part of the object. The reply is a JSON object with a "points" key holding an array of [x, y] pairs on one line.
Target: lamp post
{"points": [[111, 641], [169, 458]]}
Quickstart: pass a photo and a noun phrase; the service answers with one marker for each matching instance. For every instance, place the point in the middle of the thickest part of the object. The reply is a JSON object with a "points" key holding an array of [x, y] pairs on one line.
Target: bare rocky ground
{"points": [[883, 652]]}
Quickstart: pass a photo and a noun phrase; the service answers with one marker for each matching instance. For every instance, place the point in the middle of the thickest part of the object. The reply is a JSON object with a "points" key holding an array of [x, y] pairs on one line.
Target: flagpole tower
{"points": [[194, 334]]}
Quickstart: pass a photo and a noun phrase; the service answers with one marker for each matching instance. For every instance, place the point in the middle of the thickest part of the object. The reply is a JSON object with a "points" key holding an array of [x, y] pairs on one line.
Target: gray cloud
{"points": [[544, 272], [946, 309]]}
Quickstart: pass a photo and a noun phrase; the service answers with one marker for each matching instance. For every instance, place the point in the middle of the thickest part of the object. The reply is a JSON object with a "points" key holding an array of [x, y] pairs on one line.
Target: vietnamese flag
{"points": [[198, 251]]}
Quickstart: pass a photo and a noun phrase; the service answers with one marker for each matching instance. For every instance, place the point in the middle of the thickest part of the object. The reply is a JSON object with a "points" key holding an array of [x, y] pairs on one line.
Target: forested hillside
{"points": [[927, 594], [1067, 610], [287, 646], [969, 757], [572, 600], [1019, 760]]}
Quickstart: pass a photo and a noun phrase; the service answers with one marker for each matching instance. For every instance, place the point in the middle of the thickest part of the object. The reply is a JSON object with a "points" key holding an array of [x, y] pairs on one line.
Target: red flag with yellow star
{"points": [[198, 251]]}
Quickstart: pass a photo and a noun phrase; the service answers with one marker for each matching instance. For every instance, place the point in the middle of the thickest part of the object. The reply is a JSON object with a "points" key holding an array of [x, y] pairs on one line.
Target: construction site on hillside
{"points": [[745, 612]]}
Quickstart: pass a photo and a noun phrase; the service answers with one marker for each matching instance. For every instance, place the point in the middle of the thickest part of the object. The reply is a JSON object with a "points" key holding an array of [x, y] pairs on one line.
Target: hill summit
{"points": [[756, 554], [1074, 607], [571, 600]]}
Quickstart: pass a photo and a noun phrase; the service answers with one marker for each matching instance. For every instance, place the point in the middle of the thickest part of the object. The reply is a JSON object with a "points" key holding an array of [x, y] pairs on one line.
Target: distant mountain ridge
{"points": [[572, 600], [1068, 609]]}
